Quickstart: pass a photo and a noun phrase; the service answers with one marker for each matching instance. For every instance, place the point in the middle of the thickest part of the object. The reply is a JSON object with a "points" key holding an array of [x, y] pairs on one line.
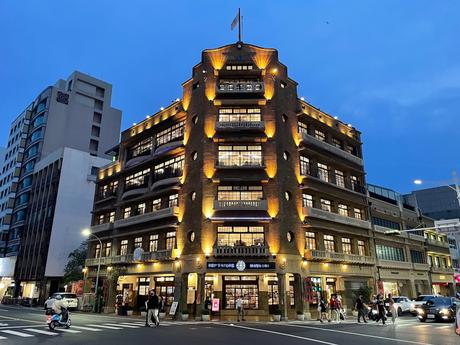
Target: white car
{"points": [[420, 300], [70, 298], [402, 304]]}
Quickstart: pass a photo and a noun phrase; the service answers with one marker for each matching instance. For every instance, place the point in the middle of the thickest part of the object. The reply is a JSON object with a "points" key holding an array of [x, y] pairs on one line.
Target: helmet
{"points": [[58, 297]]}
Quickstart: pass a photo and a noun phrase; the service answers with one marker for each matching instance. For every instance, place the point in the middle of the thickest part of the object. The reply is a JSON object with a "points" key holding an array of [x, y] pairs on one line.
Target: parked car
{"points": [[402, 304], [70, 298], [438, 309], [420, 300]]}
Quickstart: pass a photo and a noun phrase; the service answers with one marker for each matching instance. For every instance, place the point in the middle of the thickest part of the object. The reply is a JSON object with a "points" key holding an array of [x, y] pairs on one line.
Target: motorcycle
{"points": [[55, 320]]}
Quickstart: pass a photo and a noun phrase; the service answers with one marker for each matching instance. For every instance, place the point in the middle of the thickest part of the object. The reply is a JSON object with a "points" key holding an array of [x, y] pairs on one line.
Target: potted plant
{"points": [[184, 315], [300, 315], [205, 315], [277, 315]]}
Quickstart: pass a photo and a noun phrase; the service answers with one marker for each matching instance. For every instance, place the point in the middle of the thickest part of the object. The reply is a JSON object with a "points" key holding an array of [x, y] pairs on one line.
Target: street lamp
{"points": [[88, 233]]}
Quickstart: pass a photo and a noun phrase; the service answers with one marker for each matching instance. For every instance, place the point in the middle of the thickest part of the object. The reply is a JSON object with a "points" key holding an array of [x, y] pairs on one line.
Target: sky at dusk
{"points": [[390, 68]]}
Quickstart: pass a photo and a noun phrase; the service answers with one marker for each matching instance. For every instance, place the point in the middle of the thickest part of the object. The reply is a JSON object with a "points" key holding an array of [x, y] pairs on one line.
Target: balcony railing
{"points": [[102, 227], [165, 254], [437, 243], [258, 251], [395, 264], [327, 177], [310, 140], [240, 205], [142, 184], [158, 255], [240, 125], [445, 270], [168, 173], [421, 267], [236, 86], [334, 217], [242, 164], [146, 217], [338, 257], [107, 194]]}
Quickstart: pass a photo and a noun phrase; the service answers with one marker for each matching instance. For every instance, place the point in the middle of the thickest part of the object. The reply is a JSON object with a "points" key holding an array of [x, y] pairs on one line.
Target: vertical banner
{"points": [[215, 304]]}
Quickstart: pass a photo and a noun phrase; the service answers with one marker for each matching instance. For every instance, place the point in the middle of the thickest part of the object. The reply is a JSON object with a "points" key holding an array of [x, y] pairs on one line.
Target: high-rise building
{"points": [[71, 126], [438, 202], [239, 189]]}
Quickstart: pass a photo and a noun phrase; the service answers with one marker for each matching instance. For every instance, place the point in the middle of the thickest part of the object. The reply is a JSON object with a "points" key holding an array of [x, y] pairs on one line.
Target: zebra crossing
{"points": [[29, 332], [399, 323]]}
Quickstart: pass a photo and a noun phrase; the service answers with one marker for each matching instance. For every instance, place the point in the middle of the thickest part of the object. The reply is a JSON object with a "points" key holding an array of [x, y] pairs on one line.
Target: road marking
{"points": [[422, 326], [40, 331], [280, 333], [16, 319], [66, 330], [361, 335], [121, 325], [19, 334], [87, 328], [108, 327]]}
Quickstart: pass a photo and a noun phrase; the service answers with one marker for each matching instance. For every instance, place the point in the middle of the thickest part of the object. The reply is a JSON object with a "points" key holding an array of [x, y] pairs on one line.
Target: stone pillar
{"points": [[183, 292], [299, 295], [412, 289], [282, 295], [200, 297]]}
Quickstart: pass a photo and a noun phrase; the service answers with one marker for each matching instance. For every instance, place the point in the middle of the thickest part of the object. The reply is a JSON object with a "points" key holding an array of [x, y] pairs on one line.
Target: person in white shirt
{"points": [[60, 307], [239, 309]]}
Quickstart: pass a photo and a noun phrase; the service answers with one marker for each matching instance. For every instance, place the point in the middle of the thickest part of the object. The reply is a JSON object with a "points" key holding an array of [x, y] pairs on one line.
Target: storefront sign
{"points": [[173, 309], [241, 265], [215, 304]]}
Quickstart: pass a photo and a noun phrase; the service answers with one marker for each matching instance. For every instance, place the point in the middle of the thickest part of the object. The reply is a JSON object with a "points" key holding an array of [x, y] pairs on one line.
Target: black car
{"points": [[438, 309]]}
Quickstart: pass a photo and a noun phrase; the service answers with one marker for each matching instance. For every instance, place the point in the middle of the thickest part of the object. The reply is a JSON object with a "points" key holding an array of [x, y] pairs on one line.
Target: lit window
{"points": [[156, 204], [358, 213], [326, 205], [106, 249], [343, 210], [170, 240], [323, 172], [304, 166], [240, 155], [171, 168], [239, 115], [124, 247], [361, 248], [171, 133], [126, 212], [138, 242], [329, 243], [231, 236], [307, 200], [153, 243], [310, 240], [173, 200], [320, 135], [303, 128], [339, 178], [337, 143], [112, 216], [346, 245], [239, 193]]}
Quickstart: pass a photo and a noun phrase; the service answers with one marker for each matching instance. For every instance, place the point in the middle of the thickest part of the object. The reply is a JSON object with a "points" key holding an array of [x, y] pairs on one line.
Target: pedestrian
{"points": [[381, 309], [239, 309], [152, 309], [391, 307], [323, 310], [334, 306], [361, 309]]}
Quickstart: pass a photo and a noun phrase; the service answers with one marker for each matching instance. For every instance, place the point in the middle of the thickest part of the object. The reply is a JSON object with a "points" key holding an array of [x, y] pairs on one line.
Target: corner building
{"points": [[238, 189]]}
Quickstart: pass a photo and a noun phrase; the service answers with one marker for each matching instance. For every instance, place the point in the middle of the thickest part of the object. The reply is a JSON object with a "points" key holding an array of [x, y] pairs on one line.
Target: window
{"points": [[95, 131], [329, 243], [107, 246], [138, 242], [170, 240], [307, 200], [156, 204], [358, 213], [141, 148], [94, 171], [171, 133], [137, 180], [244, 287], [343, 210], [97, 117], [240, 155], [239, 193], [417, 257], [350, 149], [108, 189], [112, 216], [124, 247], [436, 261], [240, 236], [36, 135], [93, 145], [310, 240], [100, 219], [386, 223], [153, 243], [323, 172], [170, 168], [339, 178], [238, 67], [173, 200], [320, 135], [346, 245], [303, 128], [354, 183], [337, 143], [126, 212], [389, 253], [97, 250], [361, 248], [326, 205], [239, 115], [304, 166]]}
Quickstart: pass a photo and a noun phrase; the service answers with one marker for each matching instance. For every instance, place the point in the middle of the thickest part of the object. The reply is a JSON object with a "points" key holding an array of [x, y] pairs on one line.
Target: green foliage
{"points": [[366, 291], [73, 269]]}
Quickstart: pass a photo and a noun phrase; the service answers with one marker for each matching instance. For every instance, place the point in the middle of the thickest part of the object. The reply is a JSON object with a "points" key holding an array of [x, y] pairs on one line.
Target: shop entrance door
{"points": [[331, 287], [142, 291], [164, 287], [273, 296]]}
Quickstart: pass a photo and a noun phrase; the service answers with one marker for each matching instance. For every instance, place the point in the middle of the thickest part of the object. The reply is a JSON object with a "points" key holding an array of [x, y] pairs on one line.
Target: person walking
{"points": [[323, 310], [381, 309], [361, 309], [334, 306], [391, 307], [152, 309], [239, 309]]}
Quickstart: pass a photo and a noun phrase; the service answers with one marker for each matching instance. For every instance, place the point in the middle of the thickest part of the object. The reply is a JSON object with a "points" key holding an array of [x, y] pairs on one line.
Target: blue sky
{"points": [[390, 68]]}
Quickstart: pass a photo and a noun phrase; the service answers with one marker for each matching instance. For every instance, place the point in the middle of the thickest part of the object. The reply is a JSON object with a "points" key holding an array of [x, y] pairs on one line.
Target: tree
{"points": [[366, 292], [73, 269]]}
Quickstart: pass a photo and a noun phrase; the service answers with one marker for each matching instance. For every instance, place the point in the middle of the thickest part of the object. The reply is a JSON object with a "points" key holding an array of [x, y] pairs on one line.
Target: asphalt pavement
{"points": [[21, 325]]}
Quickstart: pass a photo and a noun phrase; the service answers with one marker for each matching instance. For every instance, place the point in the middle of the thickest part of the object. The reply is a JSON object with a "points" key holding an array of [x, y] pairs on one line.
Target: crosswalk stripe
{"points": [[66, 330], [87, 328], [1, 338], [121, 325], [19, 334], [40, 331], [131, 324], [108, 327]]}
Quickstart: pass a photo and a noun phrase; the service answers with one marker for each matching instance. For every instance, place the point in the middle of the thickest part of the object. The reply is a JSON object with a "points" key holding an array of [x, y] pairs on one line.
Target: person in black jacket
{"points": [[360, 308], [152, 309], [381, 309]]}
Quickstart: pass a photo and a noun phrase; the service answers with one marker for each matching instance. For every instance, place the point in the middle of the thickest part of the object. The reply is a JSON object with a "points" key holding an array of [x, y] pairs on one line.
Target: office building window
{"points": [[343, 210], [303, 127], [137, 180], [346, 245], [323, 172], [304, 166], [239, 115], [95, 131], [354, 182], [389, 253], [240, 155], [329, 243], [173, 200], [138, 242], [97, 117], [174, 132], [93, 145], [97, 250], [153, 243], [417, 257], [310, 240], [170, 240], [326, 205], [239, 193], [123, 247], [361, 248], [307, 200], [386, 223], [337, 143], [112, 216], [240, 236], [142, 148], [170, 168], [126, 212], [339, 178], [320, 135]]}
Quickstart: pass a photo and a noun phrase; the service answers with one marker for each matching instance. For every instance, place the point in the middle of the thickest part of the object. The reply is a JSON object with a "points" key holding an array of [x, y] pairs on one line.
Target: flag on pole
{"points": [[235, 21]]}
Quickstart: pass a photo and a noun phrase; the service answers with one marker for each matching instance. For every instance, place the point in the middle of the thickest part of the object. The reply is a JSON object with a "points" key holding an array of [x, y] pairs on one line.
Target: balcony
{"points": [[241, 165], [442, 270], [310, 140], [311, 212], [168, 177], [136, 189], [421, 267], [322, 255], [437, 243], [240, 126], [240, 205], [158, 255], [240, 87], [165, 254], [107, 195], [102, 227], [147, 217], [229, 251], [395, 264], [347, 184]]}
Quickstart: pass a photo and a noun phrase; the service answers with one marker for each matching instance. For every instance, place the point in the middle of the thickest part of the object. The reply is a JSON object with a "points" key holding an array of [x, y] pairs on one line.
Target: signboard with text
{"points": [[215, 304], [240, 265]]}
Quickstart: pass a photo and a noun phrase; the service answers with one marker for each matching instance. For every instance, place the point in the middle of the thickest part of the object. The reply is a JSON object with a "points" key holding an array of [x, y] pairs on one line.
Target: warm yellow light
{"points": [[344, 266], [269, 88], [198, 259], [217, 58], [139, 265], [262, 58], [305, 262], [326, 264], [270, 129], [209, 127], [84, 270], [273, 206], [210, 89], [274, 71], [270, 167], [109, 268], [177, 264]]}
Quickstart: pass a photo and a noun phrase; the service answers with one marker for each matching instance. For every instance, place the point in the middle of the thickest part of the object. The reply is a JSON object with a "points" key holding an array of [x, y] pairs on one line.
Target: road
{"points": [[24, 326]]}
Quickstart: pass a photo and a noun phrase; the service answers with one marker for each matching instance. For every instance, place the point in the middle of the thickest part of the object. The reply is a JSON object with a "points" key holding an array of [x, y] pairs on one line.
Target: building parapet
{"points": [[334, 217], [338, 257]]}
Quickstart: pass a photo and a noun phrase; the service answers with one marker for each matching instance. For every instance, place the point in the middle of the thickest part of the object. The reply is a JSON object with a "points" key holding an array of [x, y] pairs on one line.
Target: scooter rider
{"points": [[60, 307]]}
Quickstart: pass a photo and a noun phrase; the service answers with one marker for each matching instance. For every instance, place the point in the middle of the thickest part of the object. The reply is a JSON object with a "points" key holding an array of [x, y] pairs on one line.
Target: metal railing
{"points": [[240, 125], [236, 86], [241, 251], [240, 205], [313, 254], [328, 177]]}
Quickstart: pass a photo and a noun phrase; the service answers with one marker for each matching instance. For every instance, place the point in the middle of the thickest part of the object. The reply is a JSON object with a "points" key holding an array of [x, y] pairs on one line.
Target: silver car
{"points": [[70, 298]]}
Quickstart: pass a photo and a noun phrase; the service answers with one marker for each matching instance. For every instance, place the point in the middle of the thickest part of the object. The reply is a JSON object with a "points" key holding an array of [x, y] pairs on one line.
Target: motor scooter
{"points": [[58, 320]]}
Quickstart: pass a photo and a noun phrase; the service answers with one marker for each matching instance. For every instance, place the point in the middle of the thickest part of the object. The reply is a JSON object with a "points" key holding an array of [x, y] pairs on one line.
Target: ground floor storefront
{"points": [[443, 284], [403, 282]]}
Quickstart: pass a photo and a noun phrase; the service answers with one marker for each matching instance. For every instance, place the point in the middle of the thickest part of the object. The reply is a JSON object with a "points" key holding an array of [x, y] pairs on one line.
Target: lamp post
{"points": [[87, 233]]}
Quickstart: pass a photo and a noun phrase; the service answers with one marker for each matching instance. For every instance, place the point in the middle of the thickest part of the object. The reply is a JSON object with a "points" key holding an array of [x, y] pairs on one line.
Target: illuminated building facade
{"points": [[240, 188]]}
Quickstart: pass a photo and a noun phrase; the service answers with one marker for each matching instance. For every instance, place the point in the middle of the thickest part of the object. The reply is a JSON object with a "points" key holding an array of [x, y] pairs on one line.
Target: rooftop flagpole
{"points": [[239, 25]]}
